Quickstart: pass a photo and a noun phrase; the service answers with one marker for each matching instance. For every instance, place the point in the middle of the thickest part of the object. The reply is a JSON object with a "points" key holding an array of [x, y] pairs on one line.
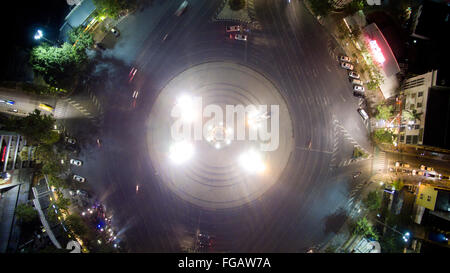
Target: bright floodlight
{"points": [[181, 151], [186, 104], [252, 161], [38, 34]]}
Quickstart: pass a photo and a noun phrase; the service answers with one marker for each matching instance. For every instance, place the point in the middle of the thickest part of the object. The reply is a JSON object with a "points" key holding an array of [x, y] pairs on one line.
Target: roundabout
{"points": [[225, 170]]}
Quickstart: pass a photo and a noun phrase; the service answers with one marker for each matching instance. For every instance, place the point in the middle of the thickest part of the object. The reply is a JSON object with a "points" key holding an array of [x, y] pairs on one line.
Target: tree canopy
{"points": [[384, 112], [26, 213], [236, 4], [373, 200], [383, 136], [112, 8], [35, 127], [58, 65], [80, 38], [321, 7], [362, 227]]}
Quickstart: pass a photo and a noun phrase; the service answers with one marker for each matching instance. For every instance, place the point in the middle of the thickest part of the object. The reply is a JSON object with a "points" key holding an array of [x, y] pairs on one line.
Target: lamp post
{"points": [[40, 35]]}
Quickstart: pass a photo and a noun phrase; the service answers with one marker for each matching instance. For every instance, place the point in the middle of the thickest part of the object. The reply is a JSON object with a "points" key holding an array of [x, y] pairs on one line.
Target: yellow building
{"points": [[426, 197]]}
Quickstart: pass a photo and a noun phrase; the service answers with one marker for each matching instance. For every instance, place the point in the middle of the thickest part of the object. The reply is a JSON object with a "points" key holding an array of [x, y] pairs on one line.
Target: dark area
{"points": [[437, 129]]}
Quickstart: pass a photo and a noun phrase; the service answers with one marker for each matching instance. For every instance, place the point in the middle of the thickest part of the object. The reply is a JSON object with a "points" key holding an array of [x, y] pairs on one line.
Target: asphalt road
{"points": [[309, 202]]}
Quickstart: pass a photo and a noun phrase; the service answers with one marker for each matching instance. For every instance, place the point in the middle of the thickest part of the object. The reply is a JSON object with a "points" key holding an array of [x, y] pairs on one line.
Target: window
{"points": [[419, 104], [421, 196], [413, 95], [408, 139], [412, 106], [402, 138], [415, 139], [420, 94], [429, 198]]}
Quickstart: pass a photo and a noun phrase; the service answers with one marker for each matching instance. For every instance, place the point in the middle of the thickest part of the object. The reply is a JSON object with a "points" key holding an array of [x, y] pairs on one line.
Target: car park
{"points": [[344, 59], [76, 162], [358, 88], [353, 74], [346, 65], [363, 113], [240, 37], [78, 178], [233, 28]]}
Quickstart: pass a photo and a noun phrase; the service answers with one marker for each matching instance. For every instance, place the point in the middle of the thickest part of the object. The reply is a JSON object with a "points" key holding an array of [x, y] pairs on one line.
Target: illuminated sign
{"points": [[376, 51], [3, 154]]}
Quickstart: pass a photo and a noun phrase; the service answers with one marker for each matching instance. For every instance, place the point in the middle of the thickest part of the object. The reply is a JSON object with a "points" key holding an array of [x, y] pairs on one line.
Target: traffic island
{"points": [[226, 13]]}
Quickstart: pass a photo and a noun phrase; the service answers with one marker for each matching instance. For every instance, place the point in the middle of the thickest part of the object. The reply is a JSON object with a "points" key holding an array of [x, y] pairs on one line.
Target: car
{"points": [[356, 81], [100, 46], [355, 175], [131, 74], [358, 88], [363, 113], [13, 110], [346, 65], [241, 37], [358, 94], [181, 8], [344, 59], [405, 165], [46, 107], [430, 169], [82, 193], [71, 140], [353, 74], [414, 172], [135, 94], [79, 178], [115, 32], [232, 28], [76, 162], [422, 167], [10, 102]]}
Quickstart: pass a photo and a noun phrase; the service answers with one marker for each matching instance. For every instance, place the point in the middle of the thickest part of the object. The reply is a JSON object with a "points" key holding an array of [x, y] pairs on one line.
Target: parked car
{"points": [[79, 178], [363, 113], [241, 37], [346, 65], [71, 140], [115, 32], [232, 28], [358, 94], [344, 59], [100, 46], [356, 81], [76, 162], [353, 74], [358, 88]]}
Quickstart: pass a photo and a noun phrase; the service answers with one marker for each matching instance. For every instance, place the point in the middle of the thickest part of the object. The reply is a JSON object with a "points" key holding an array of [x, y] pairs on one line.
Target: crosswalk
{"points": [[340, 133], [379, 161]]}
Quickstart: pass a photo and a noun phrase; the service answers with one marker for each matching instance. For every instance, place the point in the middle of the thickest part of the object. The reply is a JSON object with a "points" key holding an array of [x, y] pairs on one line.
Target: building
{"points": [[79, 15], [430, 103]]}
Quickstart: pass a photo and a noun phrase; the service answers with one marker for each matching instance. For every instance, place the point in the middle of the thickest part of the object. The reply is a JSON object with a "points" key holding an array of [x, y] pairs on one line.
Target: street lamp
{"points": [[40, 35]]}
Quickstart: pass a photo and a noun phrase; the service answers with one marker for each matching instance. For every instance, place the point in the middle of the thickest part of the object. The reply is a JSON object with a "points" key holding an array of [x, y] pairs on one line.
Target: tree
{"points": [[373, 200], [35, 127], [58, 65], [26, 213], [398, 185], [411, 115], [236, 4], [384, 112], [112, 8], [391, 242], [80, 38], [362, 227], [353, 7], [76, 225], [51, 138], [321, 7], [383, 136]]}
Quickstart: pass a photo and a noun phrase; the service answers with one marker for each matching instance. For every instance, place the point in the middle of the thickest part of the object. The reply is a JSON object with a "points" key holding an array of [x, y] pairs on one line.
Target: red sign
{"points": [[376, 51]]}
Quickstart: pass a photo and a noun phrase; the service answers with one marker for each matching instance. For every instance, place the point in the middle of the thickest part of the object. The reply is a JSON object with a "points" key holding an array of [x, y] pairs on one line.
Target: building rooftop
{"points": [[437, 118]]}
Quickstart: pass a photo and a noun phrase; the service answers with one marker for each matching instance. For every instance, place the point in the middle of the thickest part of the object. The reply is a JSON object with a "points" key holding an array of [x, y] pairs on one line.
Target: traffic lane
{"points": [[24, 102], [416, 161]]}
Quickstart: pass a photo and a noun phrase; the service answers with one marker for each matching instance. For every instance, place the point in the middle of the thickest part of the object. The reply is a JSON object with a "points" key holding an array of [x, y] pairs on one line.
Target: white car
{"points": [[240, 37], [71, 140], [358, 88], [344, 59], [353, 74], [233, 28], [79, 178], [356, 81], [76, 162], [346, 65], [363, 113]]}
